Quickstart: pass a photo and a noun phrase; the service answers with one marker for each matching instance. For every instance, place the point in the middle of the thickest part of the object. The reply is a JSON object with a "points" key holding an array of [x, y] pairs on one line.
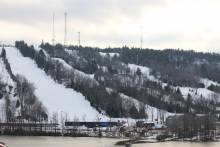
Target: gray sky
{"points": [[188, 24]]}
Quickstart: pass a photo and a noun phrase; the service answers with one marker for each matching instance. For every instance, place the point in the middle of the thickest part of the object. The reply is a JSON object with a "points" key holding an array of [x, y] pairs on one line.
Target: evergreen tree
{"points": [[138, 72], [134, 112], [3, 53]]}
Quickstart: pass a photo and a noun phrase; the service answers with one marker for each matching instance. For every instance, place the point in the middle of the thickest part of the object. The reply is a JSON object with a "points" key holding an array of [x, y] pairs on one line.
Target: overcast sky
{"points": [[187, 24]]}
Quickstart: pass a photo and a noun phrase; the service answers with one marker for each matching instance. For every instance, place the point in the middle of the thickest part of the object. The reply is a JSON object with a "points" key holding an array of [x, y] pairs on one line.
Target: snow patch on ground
{"points": [[196, 92], [2, 110], [73, 53], [69, 67], [153, 114], [156, 115], [6, 79], [3, 79], [129, 101], [109, 90], [145, 71], [110, 54], [66, 65], [4, 75], [54, 96], [208, 82], [70, 52], [37, 48]]}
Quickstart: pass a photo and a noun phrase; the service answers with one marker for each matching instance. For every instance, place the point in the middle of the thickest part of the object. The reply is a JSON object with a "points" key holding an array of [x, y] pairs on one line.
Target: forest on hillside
{"points": [[20, 99], [113, 79]]}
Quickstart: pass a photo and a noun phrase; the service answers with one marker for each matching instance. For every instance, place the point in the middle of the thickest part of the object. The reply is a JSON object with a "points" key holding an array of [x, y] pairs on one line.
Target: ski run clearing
{"points": [[55, 97], [64, 101], [59, 99], [194, 92], [152, 112], [111, 55], [6, 79], [144, 70]]}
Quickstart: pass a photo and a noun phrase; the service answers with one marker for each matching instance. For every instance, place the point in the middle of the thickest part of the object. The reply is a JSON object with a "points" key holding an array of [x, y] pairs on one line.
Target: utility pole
{"points": [[141, 38], [65, 31], [53, 34], [79, 39], [141, 44]]}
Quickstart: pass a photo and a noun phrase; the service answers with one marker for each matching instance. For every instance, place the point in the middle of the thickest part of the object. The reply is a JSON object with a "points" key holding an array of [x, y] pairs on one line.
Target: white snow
{"points": [[145, 71], [109, 90], [129, 102], [6, 79], [2, 110], [218, 108], [110, 54], [208, 82], [77, 72], [66, 65], [153, 114], [4, 75], [71, 52], [90, 76], [156, 115], [104, 68], [37, 48], [54, 96], [196, 92]]}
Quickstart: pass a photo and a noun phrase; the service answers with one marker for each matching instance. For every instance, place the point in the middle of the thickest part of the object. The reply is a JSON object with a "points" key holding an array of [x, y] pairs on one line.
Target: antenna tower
{"points": [[79, 38], [53, 33], [65, 31], [141, 38]]}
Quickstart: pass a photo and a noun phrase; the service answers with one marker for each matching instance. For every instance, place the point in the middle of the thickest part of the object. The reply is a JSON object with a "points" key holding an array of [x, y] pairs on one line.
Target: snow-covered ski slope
{"points": [[194, 92], [56, 97], [9, 89]]}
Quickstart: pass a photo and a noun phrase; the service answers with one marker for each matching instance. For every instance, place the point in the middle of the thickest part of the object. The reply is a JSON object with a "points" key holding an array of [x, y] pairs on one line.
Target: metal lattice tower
{"points": [[141, 43], [53, 32], [65, 30], [79, 38], [141, 38]]}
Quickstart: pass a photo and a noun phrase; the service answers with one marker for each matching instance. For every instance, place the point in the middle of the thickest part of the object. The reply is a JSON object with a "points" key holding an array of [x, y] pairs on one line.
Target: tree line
{"points": [[20, 100], [95, 93]]}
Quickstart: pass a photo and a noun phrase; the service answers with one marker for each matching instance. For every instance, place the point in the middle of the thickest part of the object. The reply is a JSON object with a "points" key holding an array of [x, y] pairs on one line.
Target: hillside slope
{"points": [[55, 97], [173, 80], [7, 91]]}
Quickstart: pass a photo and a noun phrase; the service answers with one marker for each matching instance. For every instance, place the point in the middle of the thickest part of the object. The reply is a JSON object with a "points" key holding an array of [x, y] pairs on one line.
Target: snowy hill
{"points": [[127, 102], [194, 92], [153, 114], [87, 83], [145, 70], [59, 99], [54, 96], [7, 92]]}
